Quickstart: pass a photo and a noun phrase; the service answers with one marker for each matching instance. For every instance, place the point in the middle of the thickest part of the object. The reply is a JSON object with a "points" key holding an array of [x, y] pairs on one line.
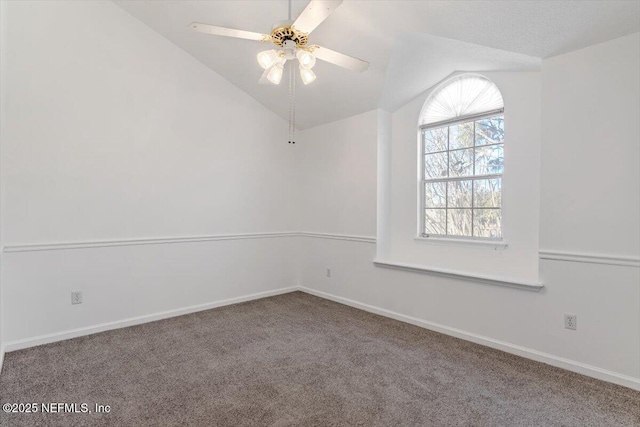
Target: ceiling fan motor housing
{"points": [[289, 50], [283, 31]]}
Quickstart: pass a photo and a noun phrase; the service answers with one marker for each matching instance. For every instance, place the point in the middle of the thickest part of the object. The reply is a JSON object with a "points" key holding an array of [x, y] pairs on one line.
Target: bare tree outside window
{"points": [[462, 158], [462, 177]]}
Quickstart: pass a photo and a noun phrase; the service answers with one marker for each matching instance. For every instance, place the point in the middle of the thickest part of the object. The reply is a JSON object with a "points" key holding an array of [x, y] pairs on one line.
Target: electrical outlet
{"points": [[76, 297], [328, 272], [571, 321]]}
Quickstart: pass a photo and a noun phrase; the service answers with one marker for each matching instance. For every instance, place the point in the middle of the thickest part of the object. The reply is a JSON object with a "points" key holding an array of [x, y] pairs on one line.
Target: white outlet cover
{"points": [[76, 297], [571, 321]]}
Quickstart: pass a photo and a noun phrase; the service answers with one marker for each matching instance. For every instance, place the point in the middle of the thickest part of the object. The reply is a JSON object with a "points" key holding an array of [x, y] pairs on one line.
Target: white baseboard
{"points": [[1, 357], [88, 330], [560, 362], [571, 365]]}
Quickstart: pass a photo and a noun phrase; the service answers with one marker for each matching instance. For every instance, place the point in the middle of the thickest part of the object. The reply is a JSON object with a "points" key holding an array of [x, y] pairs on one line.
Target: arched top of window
{"points": [[464, 95]]}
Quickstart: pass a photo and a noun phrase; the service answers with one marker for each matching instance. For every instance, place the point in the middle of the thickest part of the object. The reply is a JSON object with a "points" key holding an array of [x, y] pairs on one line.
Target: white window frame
{"points": [[494, 241]]}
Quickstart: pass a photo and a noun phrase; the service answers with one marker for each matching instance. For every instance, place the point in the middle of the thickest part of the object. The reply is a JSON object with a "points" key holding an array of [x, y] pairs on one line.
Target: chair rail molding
{"points": [[351, 238], [36, 247], [590, 258], [545, 254], [147, 241]]}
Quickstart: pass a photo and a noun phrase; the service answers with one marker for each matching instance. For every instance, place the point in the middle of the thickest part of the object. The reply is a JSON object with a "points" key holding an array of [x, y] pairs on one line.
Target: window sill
{"points": [[457, 274], [495, 244]]}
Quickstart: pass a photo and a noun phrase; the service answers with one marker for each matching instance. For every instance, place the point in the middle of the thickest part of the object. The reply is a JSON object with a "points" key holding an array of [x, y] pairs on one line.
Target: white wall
{"points": [[339, 180], [114, 133], [123, 283], [3, 106], [591, 147], [606, 298]]}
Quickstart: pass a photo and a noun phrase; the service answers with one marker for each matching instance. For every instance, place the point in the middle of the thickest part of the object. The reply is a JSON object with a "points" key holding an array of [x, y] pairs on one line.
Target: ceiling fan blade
{"points": [[313, 15], [228, 32], [340, 59]]}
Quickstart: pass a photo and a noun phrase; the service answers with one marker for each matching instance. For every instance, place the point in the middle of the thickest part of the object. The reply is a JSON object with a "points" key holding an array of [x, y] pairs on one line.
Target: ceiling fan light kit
{"points": [[306, 58], [292, 38], [275, 73], [270, 59], [267, 58], [307, 75]]}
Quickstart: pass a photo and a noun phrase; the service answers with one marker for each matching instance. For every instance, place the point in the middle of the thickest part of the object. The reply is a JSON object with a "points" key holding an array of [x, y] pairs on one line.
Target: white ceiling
{"points": [[385, 33], [420, 61]]}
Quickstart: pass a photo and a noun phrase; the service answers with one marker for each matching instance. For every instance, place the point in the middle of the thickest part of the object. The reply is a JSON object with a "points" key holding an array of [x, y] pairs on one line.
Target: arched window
{"points": [[462, 157]]}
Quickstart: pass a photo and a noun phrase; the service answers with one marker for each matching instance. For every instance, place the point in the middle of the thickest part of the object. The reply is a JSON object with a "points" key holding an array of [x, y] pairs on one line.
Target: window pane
{"points": [[435, 221], [490, 130], [459, 195], [435, 165], [459, 222], [459, 96], [461, 162], [435, 140], [461, 136], [488, 193], [487, 223], [489, 159], [435, 194]]}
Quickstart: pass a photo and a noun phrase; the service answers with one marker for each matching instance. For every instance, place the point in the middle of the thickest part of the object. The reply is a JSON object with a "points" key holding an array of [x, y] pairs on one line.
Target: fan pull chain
{"points": [[292, 96], [292, 104]]}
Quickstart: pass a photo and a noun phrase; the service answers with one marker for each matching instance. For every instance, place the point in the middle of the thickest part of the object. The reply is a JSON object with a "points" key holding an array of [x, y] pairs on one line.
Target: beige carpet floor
{"points": [[298, 360]]}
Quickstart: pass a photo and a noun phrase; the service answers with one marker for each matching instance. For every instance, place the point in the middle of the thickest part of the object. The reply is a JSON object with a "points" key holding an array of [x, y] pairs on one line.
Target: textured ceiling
{"points": [[385, 33], [420, 61]]}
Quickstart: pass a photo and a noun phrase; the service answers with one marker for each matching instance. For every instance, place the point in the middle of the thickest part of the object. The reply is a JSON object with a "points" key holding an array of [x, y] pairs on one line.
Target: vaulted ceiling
{"points": [[402, 40]]}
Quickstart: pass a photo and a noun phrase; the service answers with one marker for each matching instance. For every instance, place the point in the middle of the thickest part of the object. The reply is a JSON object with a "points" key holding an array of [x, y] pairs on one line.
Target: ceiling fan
{"points": [[291, 39]]}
